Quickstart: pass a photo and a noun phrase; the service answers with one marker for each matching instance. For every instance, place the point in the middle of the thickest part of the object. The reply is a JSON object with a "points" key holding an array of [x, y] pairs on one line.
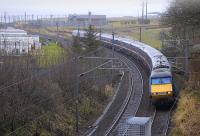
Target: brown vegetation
{"points": [[40, 100], [187, 115], [183, 16]]}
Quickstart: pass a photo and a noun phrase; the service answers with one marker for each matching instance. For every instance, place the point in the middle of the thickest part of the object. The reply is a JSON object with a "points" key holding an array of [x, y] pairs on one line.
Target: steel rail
{"points": [[126, 103], [108, 106], [168, 114], [108, 132]]}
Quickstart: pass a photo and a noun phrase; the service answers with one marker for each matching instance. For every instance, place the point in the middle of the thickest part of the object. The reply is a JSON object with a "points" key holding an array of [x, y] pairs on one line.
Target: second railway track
{"points": [[127, 102], [133, 103], [161, 120]]}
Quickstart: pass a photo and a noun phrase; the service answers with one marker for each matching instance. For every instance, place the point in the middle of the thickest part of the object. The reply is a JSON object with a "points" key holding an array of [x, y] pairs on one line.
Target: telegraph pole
{"points": [[5, 18], [57, 29], [186, 52], [140, 33], [1, 20], [100, 33], [146, 10], [9, 19], [13, 19], [25, 17], [113, 39], [77, 95], [32, 19], [142, 12], [77, 90], [141, 21]]}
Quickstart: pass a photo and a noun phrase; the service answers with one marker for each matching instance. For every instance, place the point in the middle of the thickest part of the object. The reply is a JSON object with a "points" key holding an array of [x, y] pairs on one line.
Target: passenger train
{"points": [[160, 80]]}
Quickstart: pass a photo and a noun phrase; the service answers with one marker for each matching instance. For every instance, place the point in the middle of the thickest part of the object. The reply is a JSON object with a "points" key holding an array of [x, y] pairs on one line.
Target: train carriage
{"points": [[161, 80]]}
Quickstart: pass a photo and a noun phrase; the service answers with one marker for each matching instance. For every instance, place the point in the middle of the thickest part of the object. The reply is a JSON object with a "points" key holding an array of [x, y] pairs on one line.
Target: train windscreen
{"points": [[163, 80]]}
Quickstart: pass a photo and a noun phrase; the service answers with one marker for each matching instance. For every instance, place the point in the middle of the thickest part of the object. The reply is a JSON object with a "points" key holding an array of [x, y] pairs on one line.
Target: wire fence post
{"points": [[140, 33], [113, 39], [186, 53], [77, 96]]}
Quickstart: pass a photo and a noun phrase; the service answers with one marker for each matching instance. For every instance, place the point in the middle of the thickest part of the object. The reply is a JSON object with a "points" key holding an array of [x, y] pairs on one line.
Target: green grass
{"points": [[120, 24], [150, 36], [52, 54]]}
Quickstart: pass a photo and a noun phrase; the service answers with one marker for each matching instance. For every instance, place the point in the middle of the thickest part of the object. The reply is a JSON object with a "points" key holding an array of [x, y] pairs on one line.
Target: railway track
{"points": [[161, 117], [130, 106], [161, 120], [132, 103], [126, 99]]}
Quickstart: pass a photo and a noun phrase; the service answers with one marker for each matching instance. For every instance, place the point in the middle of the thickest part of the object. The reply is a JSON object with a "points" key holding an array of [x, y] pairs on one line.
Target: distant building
{"points": [[17, 42], [86, 20]]}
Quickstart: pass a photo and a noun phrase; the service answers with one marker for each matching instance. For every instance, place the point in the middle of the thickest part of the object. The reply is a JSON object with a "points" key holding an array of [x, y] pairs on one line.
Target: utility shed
{"points": [[137, 126]]}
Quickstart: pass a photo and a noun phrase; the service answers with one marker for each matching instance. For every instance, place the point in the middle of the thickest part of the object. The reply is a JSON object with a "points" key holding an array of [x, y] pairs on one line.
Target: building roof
{"points": [[16, 35], [12, 31], [87, 16]]}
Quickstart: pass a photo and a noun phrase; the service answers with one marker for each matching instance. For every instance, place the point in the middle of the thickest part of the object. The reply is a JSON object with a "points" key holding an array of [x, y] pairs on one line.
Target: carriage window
{"points": [[166, 80], [155, 81]]}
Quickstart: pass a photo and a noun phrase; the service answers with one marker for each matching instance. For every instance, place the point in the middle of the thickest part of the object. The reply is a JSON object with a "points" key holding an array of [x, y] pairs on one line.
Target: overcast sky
{"points": [[64, 7]]}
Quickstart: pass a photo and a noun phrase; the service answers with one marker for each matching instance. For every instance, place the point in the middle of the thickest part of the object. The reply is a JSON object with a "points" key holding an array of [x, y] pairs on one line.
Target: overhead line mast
{"points": [[142, 12], [146, 9]]}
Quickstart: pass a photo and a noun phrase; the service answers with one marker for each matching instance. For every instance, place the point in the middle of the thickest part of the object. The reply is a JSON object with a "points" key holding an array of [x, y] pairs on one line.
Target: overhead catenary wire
{"points": [[37, 117], [39, 74], [40, 102]]}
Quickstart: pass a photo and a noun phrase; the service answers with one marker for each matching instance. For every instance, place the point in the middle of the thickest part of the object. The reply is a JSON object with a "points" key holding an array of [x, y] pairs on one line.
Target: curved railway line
{"points": [[132, 101], [128, 103], [124, 100], [131, 105]]}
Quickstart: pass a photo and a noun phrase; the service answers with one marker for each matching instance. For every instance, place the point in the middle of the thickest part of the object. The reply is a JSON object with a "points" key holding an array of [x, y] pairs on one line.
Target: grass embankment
{"points": [[150, 35], [187, 116], [52, 54], [61, 31]]}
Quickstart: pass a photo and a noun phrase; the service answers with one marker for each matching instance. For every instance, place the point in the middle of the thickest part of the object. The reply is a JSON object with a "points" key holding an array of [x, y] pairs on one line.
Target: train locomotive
{"points": [[161, 87]]}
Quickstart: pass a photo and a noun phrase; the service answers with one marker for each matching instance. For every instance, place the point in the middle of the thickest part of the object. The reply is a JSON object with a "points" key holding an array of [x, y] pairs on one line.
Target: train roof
{"points": [[156, 56], [161, 72]]}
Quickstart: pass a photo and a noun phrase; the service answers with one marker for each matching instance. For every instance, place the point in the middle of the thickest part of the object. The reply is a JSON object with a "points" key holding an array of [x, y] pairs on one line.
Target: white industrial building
{"points": [[86, 20], [17, 42]]}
